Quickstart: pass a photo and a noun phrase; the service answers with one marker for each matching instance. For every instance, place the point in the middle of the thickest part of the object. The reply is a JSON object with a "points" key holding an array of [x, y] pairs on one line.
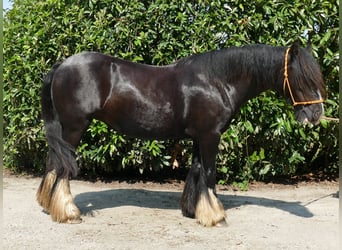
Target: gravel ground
{"points": [[146, 215]]}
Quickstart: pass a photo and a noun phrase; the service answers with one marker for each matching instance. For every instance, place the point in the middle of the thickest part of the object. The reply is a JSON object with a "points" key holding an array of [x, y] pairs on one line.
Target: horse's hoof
{"points": [[74, 221], [222, 223]]}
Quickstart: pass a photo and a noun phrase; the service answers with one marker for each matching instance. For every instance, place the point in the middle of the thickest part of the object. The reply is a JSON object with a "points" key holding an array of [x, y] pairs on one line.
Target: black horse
{"points": [[195, 97]]}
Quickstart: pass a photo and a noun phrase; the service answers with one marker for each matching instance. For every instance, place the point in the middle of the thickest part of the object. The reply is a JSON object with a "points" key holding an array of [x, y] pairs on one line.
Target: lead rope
{"points": [[326, 118]]}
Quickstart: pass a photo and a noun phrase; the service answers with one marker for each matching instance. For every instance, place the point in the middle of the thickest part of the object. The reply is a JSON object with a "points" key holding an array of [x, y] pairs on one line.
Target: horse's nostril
{"points": [[316, 115]]}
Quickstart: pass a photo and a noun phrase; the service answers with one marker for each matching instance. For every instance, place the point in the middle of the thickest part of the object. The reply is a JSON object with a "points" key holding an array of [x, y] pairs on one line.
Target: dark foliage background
{"points": [[264, 140]]}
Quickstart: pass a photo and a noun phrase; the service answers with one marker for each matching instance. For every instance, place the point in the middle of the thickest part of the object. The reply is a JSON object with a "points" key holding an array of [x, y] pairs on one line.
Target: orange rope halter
{"points": [[287, 83]]}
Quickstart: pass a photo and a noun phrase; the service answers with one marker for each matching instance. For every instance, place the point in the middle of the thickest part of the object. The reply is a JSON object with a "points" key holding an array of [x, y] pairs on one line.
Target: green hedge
{"points": [[263, 141]]}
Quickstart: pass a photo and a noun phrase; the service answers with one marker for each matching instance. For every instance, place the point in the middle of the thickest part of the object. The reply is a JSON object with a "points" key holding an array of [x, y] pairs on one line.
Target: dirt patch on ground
{"points": [[146, 215]]}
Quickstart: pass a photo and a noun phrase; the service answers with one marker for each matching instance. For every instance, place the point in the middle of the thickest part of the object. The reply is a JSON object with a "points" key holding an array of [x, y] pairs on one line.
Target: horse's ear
{"points": [[294, 50]]}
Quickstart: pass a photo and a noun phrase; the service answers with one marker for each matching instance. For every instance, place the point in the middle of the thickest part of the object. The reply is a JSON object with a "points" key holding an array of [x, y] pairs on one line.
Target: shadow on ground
{"points": [[94, 201]]}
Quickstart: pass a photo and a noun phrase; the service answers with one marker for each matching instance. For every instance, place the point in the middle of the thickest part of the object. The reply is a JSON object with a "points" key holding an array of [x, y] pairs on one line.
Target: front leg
{"points": [[209, 209], [199, 199]]}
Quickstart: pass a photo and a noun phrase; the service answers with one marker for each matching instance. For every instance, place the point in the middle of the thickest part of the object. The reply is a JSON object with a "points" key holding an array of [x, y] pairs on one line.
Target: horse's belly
{"points": [[158, 122], [147, 130]]}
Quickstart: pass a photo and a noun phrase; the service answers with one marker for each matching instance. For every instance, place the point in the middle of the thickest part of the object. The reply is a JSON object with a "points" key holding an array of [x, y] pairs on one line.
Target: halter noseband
{"points": [[287, 83]]}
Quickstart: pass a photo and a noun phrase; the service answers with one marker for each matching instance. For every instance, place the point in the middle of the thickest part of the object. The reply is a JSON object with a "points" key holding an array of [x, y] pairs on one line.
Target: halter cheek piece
{"points": [[287, 83]]}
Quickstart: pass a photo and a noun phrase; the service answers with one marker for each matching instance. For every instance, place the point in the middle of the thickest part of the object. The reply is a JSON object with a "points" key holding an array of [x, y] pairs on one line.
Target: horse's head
{"points": [[303, 84]]}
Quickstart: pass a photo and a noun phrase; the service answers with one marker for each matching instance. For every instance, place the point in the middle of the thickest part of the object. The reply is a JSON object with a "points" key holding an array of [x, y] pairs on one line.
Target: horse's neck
{"points": [[261, 73]]}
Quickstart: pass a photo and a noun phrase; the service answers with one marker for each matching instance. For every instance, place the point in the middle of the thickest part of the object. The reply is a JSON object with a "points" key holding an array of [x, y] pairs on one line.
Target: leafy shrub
{"points": [[263, 140]]}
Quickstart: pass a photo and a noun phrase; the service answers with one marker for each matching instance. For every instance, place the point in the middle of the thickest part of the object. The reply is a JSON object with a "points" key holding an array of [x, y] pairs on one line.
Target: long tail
{"points": [[61, 156]]}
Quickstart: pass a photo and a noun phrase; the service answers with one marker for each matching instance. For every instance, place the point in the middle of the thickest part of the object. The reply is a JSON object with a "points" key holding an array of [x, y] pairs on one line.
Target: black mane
{"points": [[259, 63], [263, 63]]}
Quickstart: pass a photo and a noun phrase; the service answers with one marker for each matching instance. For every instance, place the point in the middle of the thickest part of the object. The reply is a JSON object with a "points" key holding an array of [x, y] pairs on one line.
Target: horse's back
{"points": [[139, 100]]}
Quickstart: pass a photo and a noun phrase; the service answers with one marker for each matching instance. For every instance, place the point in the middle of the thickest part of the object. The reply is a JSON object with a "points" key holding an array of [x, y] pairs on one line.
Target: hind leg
{"points": [[54, 193], [55, 197]]}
